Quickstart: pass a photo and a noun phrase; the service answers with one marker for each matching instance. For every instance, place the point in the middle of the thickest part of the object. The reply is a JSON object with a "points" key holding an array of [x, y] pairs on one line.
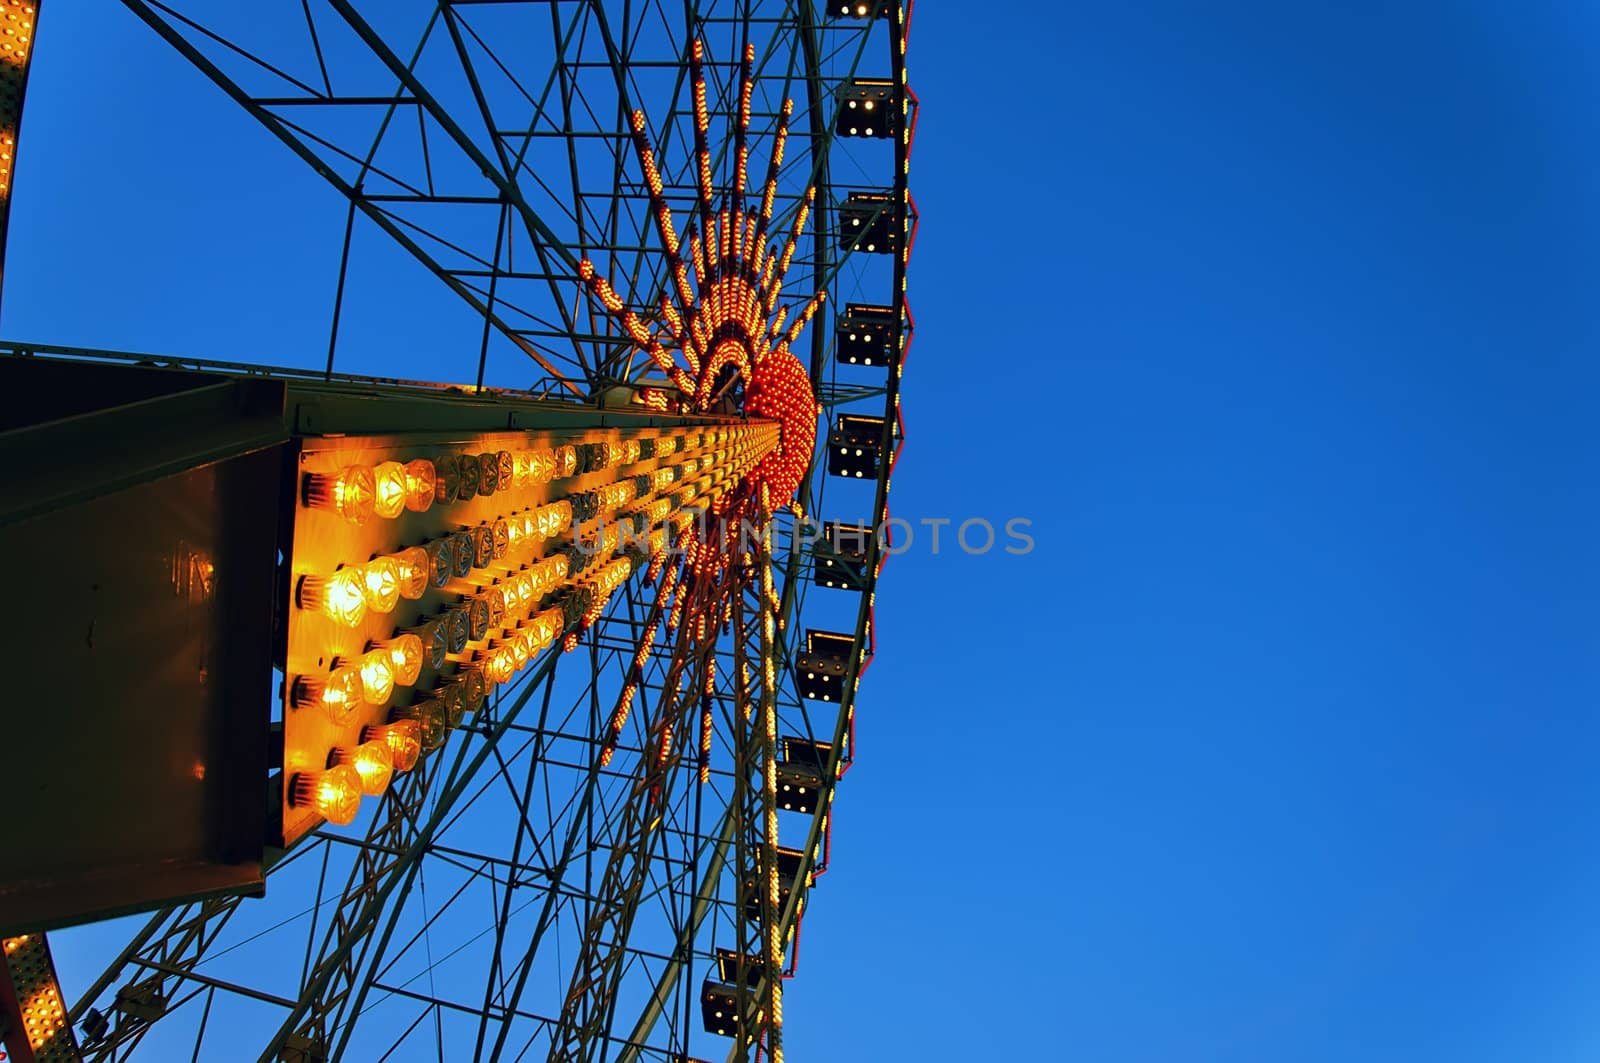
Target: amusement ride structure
{"points": [[471, 719]]}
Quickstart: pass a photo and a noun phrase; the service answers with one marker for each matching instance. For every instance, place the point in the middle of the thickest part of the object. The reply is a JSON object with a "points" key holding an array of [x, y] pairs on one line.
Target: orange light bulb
{"points": [[389, 489], [405, 657], [403, 739], [335, 794], [350, 492], [422, 484], [377, 676], [413, 568], [373, 763], [338, 693], [341, 597], [380, 584]]}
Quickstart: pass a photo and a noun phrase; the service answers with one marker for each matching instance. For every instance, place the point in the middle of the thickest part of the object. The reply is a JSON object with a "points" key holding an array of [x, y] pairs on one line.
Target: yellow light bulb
{"points": [[340, 597], [377, 677], [335, 794], [499, 664], [413, 568], [405, 658], [389, 489], [372, 761], [338, 693], [422, 483], [403, 737], [349, 493], [380, 583]]}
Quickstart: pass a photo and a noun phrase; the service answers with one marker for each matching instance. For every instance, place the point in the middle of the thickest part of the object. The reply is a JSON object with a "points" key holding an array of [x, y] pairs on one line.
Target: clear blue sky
{"points": [[1279, 323]]}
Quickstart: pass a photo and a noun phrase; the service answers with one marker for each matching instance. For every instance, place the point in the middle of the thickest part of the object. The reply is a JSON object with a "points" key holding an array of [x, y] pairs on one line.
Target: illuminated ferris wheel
{"points": [[498, 717]]}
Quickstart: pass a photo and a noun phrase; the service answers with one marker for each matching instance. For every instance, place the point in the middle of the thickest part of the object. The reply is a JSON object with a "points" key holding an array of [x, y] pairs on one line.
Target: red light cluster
{"points": [[780, 389]]}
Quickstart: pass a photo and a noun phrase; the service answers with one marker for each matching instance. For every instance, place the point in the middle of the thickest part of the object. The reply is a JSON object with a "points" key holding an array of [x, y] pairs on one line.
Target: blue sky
{"points": [[1277, 322]]}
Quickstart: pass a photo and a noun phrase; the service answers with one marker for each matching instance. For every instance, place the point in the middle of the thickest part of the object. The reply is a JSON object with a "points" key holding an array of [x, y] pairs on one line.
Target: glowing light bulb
{"points": [[403, 737], [340, 597], [566, 460], [372, 761], [433, 724], [380, 583], [420, 483], [350, 492], [414, 568], [338, 693], [335, 794], [389, 489], [522, 649], [501, 530], [405, 657], [499, 664], [377, 676], [506, 464]]}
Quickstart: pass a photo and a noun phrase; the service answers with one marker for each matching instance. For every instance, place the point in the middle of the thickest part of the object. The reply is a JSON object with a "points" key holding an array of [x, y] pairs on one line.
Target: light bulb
{"points": [[414, 568], [502, 538], [446, 479], [380, 582], [405, 657], [372, 762], [467, 484], [464, 553], [473, 689], [349, 492], [340, 597], [389, 496], [499, 664], [495, 598], [335, 794], [338, 693], [376, 672], [488, 473], [454, 700], [507, 469], [456, 628], [441, 560], [421, 484], [477, 619], [403, 739], [429, 715], [482, 545], [433, 636]]}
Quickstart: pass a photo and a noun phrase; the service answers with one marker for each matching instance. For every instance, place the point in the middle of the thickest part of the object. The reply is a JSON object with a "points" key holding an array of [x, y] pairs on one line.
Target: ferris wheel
{"points": [[525, 689]]}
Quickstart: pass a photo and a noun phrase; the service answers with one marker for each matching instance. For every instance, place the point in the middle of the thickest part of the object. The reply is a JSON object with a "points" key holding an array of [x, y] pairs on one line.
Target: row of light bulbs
{"points": [[360, 492]]}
